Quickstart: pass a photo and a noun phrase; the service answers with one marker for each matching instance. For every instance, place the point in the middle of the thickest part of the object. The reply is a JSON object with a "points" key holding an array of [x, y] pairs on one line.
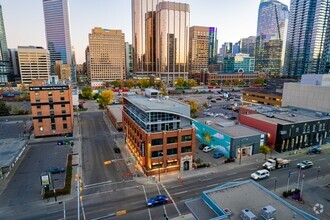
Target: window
{"points": [[50, 99], [171, 140], [186, 149], [51, 112], [64, 118], [155, 153], [38, 106], [52, 120], [41, 128], [65, 126], [37, 99], [62, 105], [172, 162], [51, 106], [155, 142], [53, 127], [37, 93], [50, 94], [39, 119], [39, 113], [62, 92], [186, 138], [62, 98], [172, 151], [63, 111]]}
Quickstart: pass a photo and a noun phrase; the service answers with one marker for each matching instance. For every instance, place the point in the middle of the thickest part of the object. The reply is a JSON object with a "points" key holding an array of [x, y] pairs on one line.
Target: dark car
{"points": [[218, 98], [117, 150], [213, 101], [217, 154], [314, 150], [158, 200], [201, 147], [55, 170]]}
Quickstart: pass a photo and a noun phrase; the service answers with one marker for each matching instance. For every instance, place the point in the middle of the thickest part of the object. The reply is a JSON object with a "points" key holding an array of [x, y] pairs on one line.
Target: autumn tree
{"points": [[144, 83], [192, 82], [129, 84], [264, 150], [105, 98], [179, 82], [87, 93]]}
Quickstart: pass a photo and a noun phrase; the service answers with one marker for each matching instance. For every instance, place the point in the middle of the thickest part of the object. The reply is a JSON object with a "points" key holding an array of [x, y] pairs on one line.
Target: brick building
{"points": [[260, 96], [52, 108], [159, 132], [114, 113]]}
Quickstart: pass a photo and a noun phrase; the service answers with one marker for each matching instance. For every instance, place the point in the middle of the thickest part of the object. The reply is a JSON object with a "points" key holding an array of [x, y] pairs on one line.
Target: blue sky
{"points": [[24, 21]]}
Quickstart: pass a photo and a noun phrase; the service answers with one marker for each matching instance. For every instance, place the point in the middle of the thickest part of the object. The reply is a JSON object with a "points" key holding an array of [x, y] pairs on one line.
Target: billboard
{"points": [[45, 179]]}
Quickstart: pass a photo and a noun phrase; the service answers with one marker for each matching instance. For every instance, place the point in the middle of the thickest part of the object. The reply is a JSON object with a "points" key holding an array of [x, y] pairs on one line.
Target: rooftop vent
{"points": [[246, 214], [319, 114], [268, 212]]}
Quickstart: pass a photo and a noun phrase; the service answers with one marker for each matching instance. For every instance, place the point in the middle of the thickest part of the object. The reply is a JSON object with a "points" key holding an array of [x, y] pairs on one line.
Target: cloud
{"points": [[218, 135]]}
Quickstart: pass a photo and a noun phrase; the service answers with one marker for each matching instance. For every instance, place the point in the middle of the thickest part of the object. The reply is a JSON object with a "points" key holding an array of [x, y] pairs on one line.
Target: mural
{"points": [[217, 140]]}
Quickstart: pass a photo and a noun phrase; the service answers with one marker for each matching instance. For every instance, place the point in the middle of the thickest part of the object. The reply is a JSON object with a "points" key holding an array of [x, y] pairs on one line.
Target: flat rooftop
{"points": [[13, 129], [159, 104], [237, 196], [230, 128], [116, 111], [286, 115], [10, 148], [263, 91]]}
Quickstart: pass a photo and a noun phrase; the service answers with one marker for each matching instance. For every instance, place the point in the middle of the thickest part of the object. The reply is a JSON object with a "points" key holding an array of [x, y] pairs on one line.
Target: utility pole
{"points": [[302, 185], [54, 190]]}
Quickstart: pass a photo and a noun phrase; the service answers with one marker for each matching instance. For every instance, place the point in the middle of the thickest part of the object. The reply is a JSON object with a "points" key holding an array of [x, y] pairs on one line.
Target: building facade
{"points": [[57, 26], [307, 33], [247, 45], [255, 96], [158, 132], [4, 56], [34, 63], [107, 55], [13, 57], [244, 63], [223, 78], [52, 109], [172, 41], [63, 71], [128, 59]]}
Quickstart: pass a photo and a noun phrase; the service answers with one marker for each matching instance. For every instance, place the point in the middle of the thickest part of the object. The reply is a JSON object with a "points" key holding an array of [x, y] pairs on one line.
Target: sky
{"points": [[24, 22]]}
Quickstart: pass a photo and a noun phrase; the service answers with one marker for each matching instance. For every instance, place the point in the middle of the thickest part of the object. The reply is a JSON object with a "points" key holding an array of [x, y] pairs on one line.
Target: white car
{"points": [[207, 149], [260, 174]]}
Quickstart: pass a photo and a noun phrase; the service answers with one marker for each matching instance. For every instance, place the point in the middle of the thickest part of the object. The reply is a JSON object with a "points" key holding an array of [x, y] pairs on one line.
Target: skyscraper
{"points": [[307, 33], [128, 59], [272, 24], [202, 48], [172, 38], [56, 14], [247, 45], [3, 40]]}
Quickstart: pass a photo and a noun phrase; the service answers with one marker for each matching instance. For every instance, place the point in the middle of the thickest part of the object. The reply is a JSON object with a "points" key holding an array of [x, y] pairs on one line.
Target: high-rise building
{"points": [[144, 36], [128, 59], [56, 13], [325, 61], [201, 48], [307, 34], [107, 55], [247, 45], [236, 48], [213, 45], [13, 58], [244, 63], [63, 71], [34, 63], [3, 40], [88, 62], [226, 49], [172, 39], [272, 25]]}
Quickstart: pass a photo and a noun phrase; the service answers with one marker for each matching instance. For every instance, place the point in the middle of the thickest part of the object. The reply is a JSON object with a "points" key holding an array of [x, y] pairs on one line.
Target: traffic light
{"points": [[80, 185], [76, 177]]}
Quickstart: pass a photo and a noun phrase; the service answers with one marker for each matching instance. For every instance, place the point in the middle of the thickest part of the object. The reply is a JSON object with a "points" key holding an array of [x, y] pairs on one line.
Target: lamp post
{"points": [[159, 154], [240, 149], [54, 190]]}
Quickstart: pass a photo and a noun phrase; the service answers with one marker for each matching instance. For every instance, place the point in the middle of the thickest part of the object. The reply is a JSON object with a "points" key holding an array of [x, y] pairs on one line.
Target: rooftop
{"points": [[263, 91], [229, 127], [116, 111], [237, 196], [159, 104], [10, 148]]}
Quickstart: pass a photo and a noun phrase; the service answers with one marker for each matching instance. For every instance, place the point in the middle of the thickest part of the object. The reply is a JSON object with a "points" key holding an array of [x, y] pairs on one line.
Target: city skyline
{"points": [[83, 18]]}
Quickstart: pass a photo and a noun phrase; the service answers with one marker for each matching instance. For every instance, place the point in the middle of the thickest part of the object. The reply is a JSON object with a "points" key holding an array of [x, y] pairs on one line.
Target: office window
{"points": [[38, 106], [62, 92], [186, 149], [62, 98], [41, 128], [155, 142], [62, 105], [155, 153], [39, 119], [64, 118], [172, 151], [37, 93], [51, 112], [172, 162], [186, 138], [37, 99], [53, 127], [50, 94], [65, 126], [50, 99], [171, 140], [63, 111], [52, 120], [51, 106], [39, 113]]}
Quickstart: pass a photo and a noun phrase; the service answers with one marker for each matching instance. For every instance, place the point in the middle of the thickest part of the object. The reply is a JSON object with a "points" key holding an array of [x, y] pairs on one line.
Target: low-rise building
{"points": [[288, 128], [114, 113], [233, 200], [260, 96], [229, 138], [158, 132], [52, 108], [222, 78]]}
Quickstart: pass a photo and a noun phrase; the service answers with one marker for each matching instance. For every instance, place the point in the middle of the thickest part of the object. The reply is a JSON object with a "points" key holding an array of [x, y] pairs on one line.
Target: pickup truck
{"points": [[276, 163]]}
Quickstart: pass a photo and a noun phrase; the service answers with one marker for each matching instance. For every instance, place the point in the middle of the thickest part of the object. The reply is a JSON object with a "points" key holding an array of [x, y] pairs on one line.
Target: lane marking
{"points": [[212, 185], [185, 200], [230, 174], [145, 194], [178, 193], [163, 205], [204, 180], [238, 179], [109, 191], [294, 172], [54, 212], [176, 207], [98, 184], [83, 209], [322, 159], [176, 186], [252, 169]]}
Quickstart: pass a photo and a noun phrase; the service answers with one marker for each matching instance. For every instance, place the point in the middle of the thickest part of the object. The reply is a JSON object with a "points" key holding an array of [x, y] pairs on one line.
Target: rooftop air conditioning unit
{"points": [[246, 214], [268, 213]]}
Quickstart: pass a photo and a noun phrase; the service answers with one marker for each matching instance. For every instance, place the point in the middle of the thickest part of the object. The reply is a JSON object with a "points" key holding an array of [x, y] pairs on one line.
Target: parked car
{"points": [[305, 164], [201, 147], [55, 170], [217, 154], [207, 149], [117, 150], [158, 200], [213, 101], [314, 150], [218, 98], [260, 174]]}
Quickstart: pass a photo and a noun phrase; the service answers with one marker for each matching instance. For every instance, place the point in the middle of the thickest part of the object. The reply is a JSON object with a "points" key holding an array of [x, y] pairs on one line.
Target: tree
{"points": [[213, 83], [87, 93], [264, 150], [260, 81], [4, 109], [227, 83], [205, 105], [107, 84], [117, 84], [105, 98], [159, 84], [192, 82], [144, 83], [193, 108], [129, 84], [179, 82]]}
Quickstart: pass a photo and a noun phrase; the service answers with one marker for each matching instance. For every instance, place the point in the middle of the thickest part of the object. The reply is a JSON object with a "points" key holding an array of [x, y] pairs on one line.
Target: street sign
{"points": [[45, 179]]}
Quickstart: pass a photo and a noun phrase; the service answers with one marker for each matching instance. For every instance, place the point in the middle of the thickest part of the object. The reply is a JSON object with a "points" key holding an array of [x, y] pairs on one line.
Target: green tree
{"points": [[213, 83], [87, 93], [260, 81], [129, 84], [227, 83], [193, 108], [159, 84], [106, 98], [264, 150], [15, 109], [4, 109], [192, 82], [205, 105], [117, 84], [144, 83], [179, 82]]}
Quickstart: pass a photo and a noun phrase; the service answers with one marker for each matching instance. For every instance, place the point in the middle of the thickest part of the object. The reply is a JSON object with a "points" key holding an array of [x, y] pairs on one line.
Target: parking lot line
{"points": [[322, 159], [176, 186], [145, 194], [230, 174], [176, 207], [212, 185], [98, 184], [238, 179]]}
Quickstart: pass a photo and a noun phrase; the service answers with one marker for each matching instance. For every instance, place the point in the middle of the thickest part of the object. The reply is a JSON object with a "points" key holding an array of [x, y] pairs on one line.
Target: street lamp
{"points": [[159, 154], [240, 149]]}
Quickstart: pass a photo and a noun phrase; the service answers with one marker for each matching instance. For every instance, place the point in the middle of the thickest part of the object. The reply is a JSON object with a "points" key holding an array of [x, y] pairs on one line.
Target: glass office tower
{"points": [[56, 14], [4, 56]]}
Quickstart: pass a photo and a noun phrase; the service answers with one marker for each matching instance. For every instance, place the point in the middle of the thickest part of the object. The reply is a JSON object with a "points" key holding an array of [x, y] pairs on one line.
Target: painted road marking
{"points": [[204, 180], [178, 193], [238, 179], [176, 207], [185, 200], [230, 174], [98, 184], [109, 191], [322, 159], [176, 186], [252, 169], [272, 178], [294, 172], [212, 185], [145, 194], [163, 205]]}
